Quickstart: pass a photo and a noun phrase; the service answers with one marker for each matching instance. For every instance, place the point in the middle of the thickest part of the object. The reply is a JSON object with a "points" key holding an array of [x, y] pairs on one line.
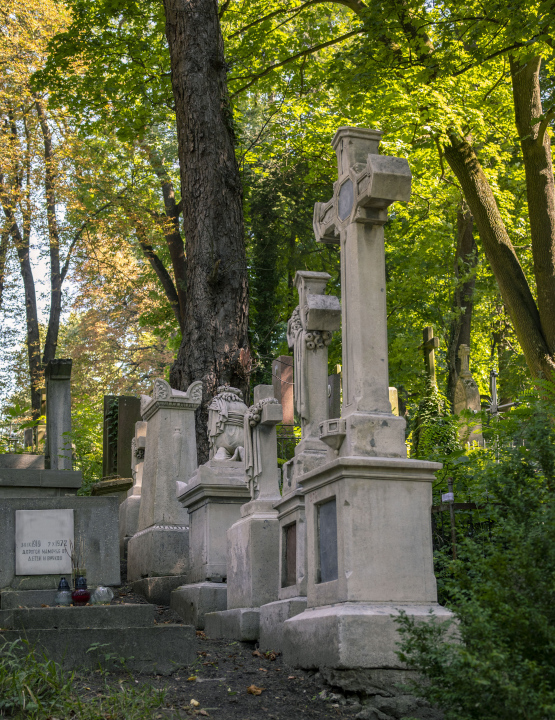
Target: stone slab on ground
{"points": [[95, 523], [272, 617], [10, 599], [237, 624], [159, 649], [159, 550], [158, 590], [93, 616], [350, 635], [192, 602]]}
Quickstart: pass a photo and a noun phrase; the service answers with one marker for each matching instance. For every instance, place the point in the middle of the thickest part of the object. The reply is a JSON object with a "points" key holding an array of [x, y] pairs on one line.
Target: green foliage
{"points": [[86, 436], [500, 589], [34, 688], [435, 434]]}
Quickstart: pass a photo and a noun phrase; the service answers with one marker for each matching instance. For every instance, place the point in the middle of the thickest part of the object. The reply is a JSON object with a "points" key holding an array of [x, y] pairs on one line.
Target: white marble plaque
{"points": [[43, 540]]}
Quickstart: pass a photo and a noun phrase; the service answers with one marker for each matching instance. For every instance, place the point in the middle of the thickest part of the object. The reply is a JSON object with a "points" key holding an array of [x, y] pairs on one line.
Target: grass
{"points": [[38, 689]]}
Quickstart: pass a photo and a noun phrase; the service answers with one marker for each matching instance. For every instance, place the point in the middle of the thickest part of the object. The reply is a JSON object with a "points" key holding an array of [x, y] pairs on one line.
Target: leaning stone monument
{"points": [[369, 545], [213, 498], [158, 553], [253, 541], [309, 333]]}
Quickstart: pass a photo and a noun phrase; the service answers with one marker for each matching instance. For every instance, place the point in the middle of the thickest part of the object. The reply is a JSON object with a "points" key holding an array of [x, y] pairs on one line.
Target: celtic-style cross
{"points": [[354, 218]]}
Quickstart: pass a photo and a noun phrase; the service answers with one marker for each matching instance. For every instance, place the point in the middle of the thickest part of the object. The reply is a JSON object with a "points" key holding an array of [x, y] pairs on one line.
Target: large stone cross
{"points": [[354, 218], [429, 345]]}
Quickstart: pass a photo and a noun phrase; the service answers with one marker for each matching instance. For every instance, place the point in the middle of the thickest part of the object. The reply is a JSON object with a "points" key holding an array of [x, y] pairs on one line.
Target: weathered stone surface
{"points": [[21, 461], [160, 649], [33, 482], [192, 602], [58, 453], [272, 617], [238, 624], [159, 550], [350, 635], [10, 599], [158, 590], [115, 486], [94, 616], [95, 522], [282, 381]]}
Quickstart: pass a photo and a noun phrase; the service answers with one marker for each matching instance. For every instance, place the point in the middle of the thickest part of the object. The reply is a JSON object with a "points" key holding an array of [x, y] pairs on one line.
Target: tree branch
{"points": [[308, 51]]}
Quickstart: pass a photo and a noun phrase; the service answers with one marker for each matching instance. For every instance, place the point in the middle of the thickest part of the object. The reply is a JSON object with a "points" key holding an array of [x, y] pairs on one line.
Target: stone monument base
{"points": [[159, 550], [272, 619], [66, 634], [128, 521], [238, 624], [158, 590], [192, 602], [351, 635]]}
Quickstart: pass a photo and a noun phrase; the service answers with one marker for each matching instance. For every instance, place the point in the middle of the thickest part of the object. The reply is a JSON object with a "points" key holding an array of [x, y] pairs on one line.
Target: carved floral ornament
{"points": [[253, 457], [314, 339]]}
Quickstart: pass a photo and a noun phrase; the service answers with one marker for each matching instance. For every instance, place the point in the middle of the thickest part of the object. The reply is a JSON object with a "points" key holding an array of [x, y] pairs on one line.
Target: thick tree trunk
{"points": [[215, 340], [3, 254], [540, 187], [501, 256], [466, 259]]}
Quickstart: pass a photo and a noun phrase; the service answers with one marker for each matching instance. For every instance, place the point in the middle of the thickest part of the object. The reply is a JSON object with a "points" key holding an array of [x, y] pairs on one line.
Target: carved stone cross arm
{"points": [[365, 187]]}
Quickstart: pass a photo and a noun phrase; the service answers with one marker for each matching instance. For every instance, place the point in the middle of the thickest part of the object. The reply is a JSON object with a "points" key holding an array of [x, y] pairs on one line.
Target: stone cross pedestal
{"points": [[213, 498], [369, 543], [160, 548], [253, 541], [129, 508], [467, 397], [429, 345], [354, 218], [309, 333], [58, 451]]}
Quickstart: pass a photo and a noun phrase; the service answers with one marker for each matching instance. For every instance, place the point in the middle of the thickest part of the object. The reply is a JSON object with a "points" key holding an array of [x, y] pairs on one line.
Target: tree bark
{"points": [[540, 187], [215, 340], [3, 254], [51, 341], [501, 256], [466, 259], [172, 232]]}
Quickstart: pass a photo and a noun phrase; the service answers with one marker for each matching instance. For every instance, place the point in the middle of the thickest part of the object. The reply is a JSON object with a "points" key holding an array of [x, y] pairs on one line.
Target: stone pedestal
{"points": [[129, 508], [253, 541], [369, 544], [161, 545], [213, 497], [58, 450], [309, 333]]}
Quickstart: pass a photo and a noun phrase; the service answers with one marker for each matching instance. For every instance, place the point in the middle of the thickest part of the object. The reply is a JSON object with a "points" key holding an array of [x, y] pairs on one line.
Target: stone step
{"points": [[158, 649], [92, 616]]}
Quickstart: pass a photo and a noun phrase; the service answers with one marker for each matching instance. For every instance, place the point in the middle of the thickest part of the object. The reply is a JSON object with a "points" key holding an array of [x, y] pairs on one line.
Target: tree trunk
{"points": [[540, 187], [501, 256], [215, 340], [466, 259], [3, 253], [51, 342]]}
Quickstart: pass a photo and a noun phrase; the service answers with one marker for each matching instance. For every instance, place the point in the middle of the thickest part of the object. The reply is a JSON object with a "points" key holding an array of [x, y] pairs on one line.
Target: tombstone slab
{"points": [[58, 451], [43, 542], [129, 508]]}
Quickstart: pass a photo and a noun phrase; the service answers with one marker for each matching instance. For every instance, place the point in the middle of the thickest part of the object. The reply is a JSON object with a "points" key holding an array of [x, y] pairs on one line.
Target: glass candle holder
{"points": [[63, 596], [81, 595], [102, 595]]}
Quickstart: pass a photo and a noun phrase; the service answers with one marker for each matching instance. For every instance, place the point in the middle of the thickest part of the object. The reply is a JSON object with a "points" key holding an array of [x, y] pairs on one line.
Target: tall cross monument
{"points": [[354, 218]]}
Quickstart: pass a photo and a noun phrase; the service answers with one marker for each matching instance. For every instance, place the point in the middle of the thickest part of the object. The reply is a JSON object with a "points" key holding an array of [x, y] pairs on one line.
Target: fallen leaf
{"points": [[253, 690], [201, 634], [291, 677], [194, 703], [257, 653], [203, 712], [192, 678], [45, 605], [263, 669]]}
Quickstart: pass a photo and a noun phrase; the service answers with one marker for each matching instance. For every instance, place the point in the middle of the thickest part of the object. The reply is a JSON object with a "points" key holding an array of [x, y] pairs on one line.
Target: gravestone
{"points": [[369, 543], [253, 541], [309, 333], [282, 382], [121, 413], [43, 542], [213, 498], [429, 345], [158, 553], [129, 508], [467, 397], [58, 453]]}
